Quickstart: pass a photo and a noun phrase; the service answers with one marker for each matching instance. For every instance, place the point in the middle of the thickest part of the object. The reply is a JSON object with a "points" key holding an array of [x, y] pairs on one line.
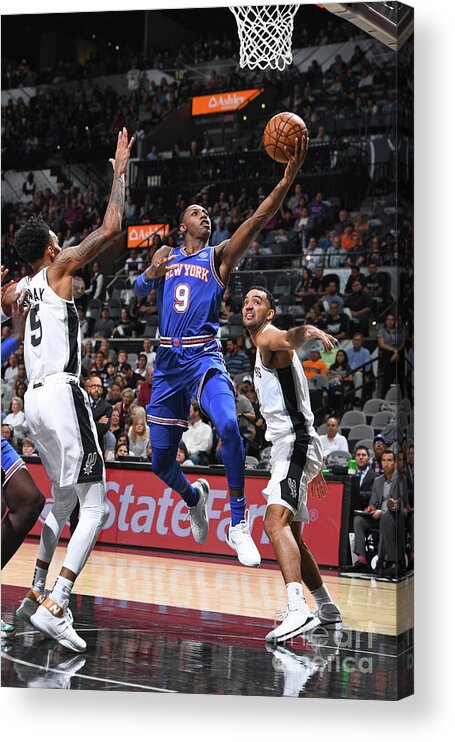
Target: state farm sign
{"points": [[223, 102], [144, 512]]}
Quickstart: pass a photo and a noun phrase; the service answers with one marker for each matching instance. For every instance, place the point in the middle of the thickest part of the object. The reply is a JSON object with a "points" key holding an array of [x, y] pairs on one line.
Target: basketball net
{"points": [[265, 33]]}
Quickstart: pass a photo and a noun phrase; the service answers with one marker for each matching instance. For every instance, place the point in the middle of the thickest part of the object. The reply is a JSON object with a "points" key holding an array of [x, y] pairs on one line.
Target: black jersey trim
{"points": [[290, 486], [92, 466], [72, 320]]}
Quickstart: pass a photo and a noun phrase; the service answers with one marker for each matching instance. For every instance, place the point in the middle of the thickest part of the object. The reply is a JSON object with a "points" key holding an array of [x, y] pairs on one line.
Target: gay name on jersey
{"points": [[184, 270]]}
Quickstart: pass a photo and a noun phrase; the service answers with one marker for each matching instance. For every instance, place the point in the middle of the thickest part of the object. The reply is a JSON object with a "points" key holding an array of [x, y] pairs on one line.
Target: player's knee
{"points": [[229, 430], [272, 525]]}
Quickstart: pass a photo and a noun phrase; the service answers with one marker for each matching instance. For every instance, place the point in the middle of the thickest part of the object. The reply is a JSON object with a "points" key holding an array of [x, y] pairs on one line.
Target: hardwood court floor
{"points": [[186, 624]]}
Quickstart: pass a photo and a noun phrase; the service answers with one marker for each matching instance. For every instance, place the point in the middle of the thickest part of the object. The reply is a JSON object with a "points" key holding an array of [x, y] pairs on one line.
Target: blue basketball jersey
{"points": [[189, 295]]}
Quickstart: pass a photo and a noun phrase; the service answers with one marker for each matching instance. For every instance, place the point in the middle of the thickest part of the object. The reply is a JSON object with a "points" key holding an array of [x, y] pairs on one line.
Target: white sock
{"points": [[295, 594], [39, 579], [321, 596], [61, 591]]}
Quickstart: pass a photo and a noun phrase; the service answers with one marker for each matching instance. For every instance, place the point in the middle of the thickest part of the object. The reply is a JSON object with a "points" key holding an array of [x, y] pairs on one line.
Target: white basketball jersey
{"points": [[52, 333], [284, 399]]}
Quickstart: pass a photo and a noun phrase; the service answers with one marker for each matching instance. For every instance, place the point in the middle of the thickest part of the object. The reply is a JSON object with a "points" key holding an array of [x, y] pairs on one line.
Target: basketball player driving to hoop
{"points": [[190, 282], [284, 400], [57, 409]]}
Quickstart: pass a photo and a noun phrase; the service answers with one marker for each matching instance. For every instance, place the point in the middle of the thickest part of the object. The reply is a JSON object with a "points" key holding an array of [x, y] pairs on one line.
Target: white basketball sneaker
{"points": [[30, 604], [56, 622], [298, 620], [239, 539], [198, 513]]}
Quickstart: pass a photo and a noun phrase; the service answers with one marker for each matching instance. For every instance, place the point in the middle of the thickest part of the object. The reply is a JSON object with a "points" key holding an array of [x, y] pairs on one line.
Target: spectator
{"points": [[376, 285], [28, 447], [28, 189], [198, 438], [134, 264], [141, 366], [314, 365], [337, 324], [313, 255], [145, 388], [335, 257], [356, 275], [127, 327], [365, 475], [114, 427], [121, 450], [16, 418], [331, 295], [149, 352], [380, 444], [387, 505], [304, 226], [314, 317], [8, 435], [221, 233], [182, 455], [359, 304], [139, 438], [317, 207], [236, 360], [295, 198], [304, 284], [104, 325], [97, 289], [246, 418], [359, 359], [131, 377], [101, 410], [333, 440], [340, 382], [390, 344], [126, 408], [114, 393], [83, 323]]}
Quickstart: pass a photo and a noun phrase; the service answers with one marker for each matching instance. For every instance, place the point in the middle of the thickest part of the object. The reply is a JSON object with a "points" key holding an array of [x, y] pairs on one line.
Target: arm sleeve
{"points": [[8, 346], [142, 286]]}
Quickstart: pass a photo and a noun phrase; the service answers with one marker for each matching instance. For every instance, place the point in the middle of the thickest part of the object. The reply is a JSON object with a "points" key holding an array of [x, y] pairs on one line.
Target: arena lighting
{"points": [[392, 23], [245, 118], [262, 105]]}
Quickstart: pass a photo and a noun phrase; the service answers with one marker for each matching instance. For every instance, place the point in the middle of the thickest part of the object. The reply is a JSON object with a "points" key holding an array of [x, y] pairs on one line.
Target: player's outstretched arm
{"points": [[75, 257], [232, 251], [275, 340]]}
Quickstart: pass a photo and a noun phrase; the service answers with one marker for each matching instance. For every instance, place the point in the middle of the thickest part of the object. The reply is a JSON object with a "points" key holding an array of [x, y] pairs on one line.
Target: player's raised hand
{"points": [[19, 312], [122, 153], [297, 156], [318, 486], [159, 266], [314, 333]]}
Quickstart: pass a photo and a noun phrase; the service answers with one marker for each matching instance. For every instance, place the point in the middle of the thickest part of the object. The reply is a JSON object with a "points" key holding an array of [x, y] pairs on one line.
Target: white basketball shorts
{"points": [[61, 425], [294, 464]]}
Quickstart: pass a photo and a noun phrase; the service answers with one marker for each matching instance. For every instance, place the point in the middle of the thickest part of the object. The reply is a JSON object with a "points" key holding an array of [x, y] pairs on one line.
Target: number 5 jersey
{"points": [[52, 334]]}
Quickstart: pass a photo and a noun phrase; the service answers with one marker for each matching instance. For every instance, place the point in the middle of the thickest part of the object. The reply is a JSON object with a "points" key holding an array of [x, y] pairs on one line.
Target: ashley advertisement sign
{"points": [[140, 232], [144, 512], [223, 102]]}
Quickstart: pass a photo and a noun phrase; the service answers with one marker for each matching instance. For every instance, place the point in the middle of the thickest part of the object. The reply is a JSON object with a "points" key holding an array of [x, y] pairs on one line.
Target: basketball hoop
{"points": [[265, 33]]}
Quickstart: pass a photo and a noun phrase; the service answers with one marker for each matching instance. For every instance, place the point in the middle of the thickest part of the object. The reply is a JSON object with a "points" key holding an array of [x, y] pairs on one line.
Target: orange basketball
{"points": [[281, 132]]}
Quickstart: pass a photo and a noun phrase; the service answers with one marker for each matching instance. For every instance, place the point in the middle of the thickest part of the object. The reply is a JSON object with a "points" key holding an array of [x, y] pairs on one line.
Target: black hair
{"points": [[32, 239], [182, 215], [183, 448], [344, 362], [269, 296], [361, 448], [389, 450]]}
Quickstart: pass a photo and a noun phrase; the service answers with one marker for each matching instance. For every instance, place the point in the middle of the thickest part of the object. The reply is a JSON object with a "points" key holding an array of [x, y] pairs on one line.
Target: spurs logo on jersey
{"points": [[52, 336]]}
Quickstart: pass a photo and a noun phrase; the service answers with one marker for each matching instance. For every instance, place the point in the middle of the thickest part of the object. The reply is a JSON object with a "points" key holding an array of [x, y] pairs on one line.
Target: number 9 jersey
{"points": [[189, 295], [52, 332]]}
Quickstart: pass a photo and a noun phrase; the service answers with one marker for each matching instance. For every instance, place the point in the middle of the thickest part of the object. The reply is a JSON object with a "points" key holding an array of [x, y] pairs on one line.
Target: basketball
{"points": [[281, 132]]}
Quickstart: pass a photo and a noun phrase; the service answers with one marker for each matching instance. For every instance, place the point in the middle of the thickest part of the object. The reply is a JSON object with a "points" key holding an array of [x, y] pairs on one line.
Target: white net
{"points": [[265, 33]]}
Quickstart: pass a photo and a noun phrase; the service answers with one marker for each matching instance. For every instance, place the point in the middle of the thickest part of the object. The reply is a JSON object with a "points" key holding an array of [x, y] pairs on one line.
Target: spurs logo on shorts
{"points": [[90, 463], [292, 484]]}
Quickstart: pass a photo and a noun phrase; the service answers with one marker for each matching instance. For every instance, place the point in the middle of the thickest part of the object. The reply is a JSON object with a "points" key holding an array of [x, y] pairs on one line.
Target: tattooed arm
{"points": [[69, 260]]}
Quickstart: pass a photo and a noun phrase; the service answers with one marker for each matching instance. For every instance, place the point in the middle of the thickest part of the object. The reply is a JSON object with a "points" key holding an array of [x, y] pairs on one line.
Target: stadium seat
{"points": [[251, 461], [338, 458], [322, 429], [282, 286], [393, 395], [357, 433], [371, 407], [380, 420], [367, 443], [352, 418]]}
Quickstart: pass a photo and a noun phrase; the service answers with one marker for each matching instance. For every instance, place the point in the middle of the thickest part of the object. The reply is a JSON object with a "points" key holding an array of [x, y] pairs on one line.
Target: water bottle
{"points": [[352, 467]]}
